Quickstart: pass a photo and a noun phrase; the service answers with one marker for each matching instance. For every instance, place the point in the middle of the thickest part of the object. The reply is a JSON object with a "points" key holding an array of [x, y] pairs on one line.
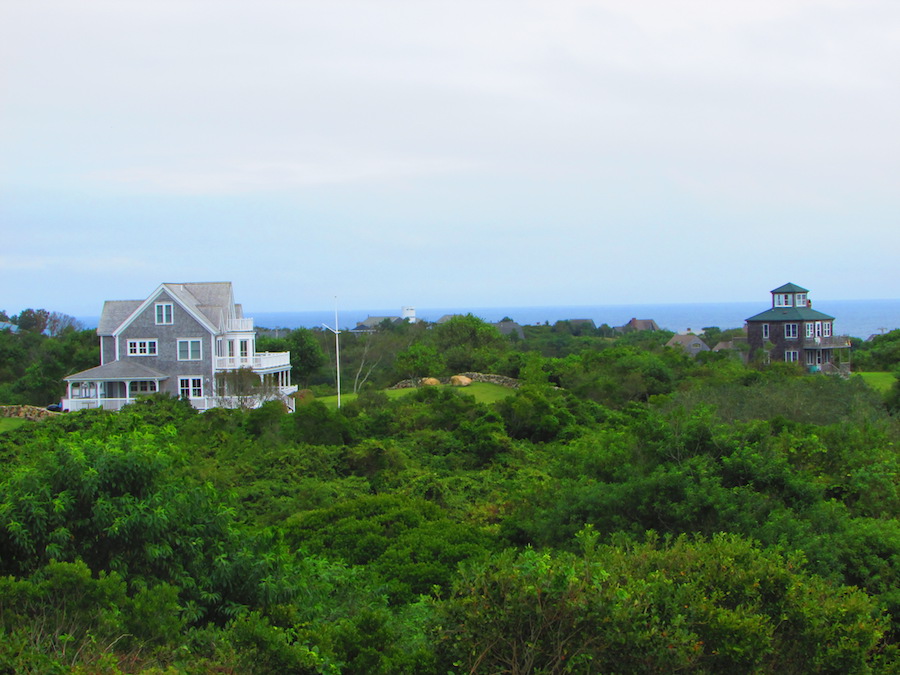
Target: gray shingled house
{"points": [[791, 330], [183, 339]]}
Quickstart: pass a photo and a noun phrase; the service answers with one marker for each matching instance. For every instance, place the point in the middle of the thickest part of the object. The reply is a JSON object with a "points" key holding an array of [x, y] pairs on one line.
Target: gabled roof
{"points": [[687, 341], [790, 288], [639, 324], [115, 312], [791, 314], [118, 370], [375, 321], [209, 303]]}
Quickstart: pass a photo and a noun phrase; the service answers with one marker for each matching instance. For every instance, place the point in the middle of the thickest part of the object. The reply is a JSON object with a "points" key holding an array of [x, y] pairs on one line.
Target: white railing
{"points": [[76, 404], [238, 325], [258, 361]]}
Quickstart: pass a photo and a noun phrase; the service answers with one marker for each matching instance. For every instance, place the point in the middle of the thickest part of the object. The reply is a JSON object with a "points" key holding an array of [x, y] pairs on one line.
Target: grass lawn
{"points": [[7, 423], [878, 381], [483, 392]]}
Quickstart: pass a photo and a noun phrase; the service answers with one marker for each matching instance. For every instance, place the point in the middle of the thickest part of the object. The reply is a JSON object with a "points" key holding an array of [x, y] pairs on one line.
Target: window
{"points": [[245, 347], [189, 350], [142, 387], [809, 330], [818, 329], [826, 329], [190, 387], [790, 357], [142, 348], [790, 331], [800, 299], [783, 300], [231, 348], [765, 328], [164, 313]]}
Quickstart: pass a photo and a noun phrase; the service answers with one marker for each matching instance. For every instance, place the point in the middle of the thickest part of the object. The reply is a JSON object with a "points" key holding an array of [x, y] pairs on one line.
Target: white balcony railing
{"points": [[238, 325], [258, 361]]}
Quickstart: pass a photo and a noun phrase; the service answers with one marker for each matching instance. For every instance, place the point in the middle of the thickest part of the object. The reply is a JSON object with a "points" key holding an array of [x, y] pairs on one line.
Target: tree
{"points": [[57, 322], [33, 320], [242, 388], [420, 360]]}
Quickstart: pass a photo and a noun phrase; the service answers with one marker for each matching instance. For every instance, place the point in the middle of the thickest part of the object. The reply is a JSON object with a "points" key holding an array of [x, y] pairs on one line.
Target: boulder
{"points": [[460, 381], [430, 382]]}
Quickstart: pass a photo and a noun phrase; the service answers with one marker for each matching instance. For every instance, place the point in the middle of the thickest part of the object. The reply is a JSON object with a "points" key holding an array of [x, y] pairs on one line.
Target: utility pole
{"points": [[337, 352]]}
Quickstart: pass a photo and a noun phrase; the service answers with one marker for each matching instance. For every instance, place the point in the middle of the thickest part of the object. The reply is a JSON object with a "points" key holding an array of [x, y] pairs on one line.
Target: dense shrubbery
{"points": [[628, 509]]}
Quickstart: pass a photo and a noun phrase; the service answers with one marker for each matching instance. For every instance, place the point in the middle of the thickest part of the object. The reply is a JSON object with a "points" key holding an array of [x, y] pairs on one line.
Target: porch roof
{"points": [[117, 371]]}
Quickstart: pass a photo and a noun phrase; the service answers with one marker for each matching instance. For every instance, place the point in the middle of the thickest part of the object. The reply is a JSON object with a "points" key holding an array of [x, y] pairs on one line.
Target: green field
{"points": [[879, 381], [483, 392], [7, 423]]}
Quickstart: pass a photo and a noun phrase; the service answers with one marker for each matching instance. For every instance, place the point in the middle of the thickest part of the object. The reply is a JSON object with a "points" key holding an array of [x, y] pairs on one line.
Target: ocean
{"points": [[857, 318]]}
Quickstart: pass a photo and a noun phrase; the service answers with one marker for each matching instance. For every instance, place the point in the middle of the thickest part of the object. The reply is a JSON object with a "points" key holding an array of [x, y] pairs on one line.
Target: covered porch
{"points": [[110, 386]]}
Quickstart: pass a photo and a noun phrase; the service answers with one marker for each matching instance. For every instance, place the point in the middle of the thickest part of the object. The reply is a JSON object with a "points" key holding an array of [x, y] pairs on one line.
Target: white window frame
{"points": [[790, 331], [137, 387], [244, 349], [765, 331], [143, 347], [826, 329], [800, 300], [164, 313], [191, 354], [783, 300], [791, 356], [810, 328], [193, 386]]}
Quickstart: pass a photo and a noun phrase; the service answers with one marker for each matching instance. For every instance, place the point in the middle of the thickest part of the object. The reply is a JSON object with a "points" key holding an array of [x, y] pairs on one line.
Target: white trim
{"points": [[790, 331], [791, 356], [765, 331], [190, 351], [164, 313], [191, 387], [151, 346], [173, 296], [784, 300]]}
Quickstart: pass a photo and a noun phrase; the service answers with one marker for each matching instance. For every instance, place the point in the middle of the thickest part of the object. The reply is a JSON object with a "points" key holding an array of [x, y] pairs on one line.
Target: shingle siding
{"points": [[144, 326]]}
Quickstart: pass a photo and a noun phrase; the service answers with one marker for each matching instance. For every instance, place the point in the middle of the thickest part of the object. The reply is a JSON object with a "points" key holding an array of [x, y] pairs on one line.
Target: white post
{"points": [[337, 352]]}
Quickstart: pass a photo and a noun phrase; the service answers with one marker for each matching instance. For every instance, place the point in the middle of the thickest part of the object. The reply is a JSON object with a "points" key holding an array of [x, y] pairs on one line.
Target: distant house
{"points": [[183, 339], [510, 328], [638, 324], [792, 331], [689, 342], [738, 344], [372, 323], [11, 327]]}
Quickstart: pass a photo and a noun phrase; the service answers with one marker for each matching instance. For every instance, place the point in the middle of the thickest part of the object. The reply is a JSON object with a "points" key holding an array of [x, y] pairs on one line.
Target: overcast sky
{"points": [[489, 153]]}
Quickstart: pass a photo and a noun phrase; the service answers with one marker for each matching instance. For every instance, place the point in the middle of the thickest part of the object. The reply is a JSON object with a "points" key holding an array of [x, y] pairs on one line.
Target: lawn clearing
{"points": [[483, 392], [7, 423], [878, 381]]}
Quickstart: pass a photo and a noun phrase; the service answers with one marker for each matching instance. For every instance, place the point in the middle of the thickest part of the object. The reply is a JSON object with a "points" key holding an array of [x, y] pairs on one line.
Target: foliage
{"points": [[721, 605]]}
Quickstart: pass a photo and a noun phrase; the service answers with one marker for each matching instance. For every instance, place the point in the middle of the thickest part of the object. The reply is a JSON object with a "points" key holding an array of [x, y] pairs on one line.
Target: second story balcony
{"points": [[259, 362], [238, 325], [833, 342]]}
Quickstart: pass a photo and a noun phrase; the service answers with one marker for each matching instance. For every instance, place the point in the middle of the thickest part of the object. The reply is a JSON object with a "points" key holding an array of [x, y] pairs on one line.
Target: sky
{"points": [[492, 153]]}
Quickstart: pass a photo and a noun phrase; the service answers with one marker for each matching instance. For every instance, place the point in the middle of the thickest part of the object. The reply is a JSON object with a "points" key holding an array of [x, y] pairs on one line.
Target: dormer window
{"points": [[783, 300], [800, 299]]}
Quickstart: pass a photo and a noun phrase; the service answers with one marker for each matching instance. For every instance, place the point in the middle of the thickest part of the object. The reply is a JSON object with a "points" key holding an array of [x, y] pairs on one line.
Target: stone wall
{"points": [[27, 412], [502, 380]]}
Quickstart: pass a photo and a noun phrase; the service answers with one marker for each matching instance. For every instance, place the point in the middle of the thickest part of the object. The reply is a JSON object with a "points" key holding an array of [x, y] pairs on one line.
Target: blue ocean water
{"points": [[858, 318]]}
